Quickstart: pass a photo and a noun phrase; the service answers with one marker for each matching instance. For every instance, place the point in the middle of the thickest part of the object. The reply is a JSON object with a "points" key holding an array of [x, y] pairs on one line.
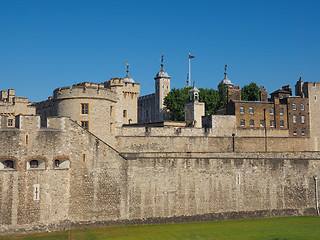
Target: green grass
{"points": [[258, 229]]}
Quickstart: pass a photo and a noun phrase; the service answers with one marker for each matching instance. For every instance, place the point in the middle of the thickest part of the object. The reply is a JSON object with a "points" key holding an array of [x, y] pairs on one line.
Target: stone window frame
{"points": [[302, 107], [125, 113], [294, 107], [10, 122], [281, 111], [294, 118], [82, 124], [84, 108], [111, 128], [281, 123], [36, 157], [271, 111], [272, 123], [242, 122], [242, 110], [60, 157], [83, 157], [251, 110], [303, 119], [111, 111], [251, 122], [9, 158], [26, 139]]}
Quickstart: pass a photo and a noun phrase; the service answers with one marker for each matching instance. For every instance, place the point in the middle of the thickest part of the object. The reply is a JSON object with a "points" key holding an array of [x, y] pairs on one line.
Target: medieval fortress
{"points": [[98, 154]]}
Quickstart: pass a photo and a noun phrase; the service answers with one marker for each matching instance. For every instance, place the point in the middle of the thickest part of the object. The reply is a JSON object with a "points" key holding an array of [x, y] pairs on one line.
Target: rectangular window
{"points": [[36, 191], [251, 110], [251, 123], [294, 107], [302, 118], [111, 111], [302, 107], [26, 140], [242, 122], [10, 122], [294, 118], [281, 123], [303, 131], [84, 108], [271, 123], [85, 125], [295, 131], [261, 123], [111, 128], [242, 110], [84, 157], [124, 113], [281, 111], [271, 111]]}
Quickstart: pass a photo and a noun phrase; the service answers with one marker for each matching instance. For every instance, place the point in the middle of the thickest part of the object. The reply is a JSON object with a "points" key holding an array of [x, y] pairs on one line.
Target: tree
{"points": [[222, 89], [175, 101], [211, 99], [250, 92], [177, 98]]}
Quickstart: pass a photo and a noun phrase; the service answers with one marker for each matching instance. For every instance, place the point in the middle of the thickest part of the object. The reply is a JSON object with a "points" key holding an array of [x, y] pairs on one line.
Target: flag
{"points": [[190, 56]]}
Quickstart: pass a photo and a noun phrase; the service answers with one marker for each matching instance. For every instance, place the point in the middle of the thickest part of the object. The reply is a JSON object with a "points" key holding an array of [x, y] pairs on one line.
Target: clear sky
{"points": [[46, 44]]}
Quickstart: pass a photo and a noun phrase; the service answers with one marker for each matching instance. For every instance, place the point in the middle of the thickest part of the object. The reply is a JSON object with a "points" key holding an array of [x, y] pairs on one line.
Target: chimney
{"points": [[263, 94], [233, 93]]}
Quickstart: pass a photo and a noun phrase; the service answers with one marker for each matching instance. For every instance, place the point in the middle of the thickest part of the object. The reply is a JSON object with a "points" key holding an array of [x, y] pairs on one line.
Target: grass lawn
{"points": [[259, 229]]}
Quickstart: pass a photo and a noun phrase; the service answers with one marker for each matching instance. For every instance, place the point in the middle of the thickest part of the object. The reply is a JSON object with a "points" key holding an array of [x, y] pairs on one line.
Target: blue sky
{"points": [[48, 44]]}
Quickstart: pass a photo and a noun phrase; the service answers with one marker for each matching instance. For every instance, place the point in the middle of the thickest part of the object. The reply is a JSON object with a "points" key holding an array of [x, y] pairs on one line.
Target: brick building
{"points": [[281, 111]]}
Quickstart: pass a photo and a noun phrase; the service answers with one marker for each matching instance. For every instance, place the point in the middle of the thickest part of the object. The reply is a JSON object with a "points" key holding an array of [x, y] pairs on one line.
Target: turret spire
{"points": [[128, 78], [162, 73], [127, 64], [194, 93], [226, 81], [225, 70], [162, 60]]}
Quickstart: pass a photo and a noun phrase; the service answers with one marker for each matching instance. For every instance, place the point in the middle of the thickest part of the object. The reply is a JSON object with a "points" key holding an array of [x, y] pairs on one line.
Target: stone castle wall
{"points": [[176, 139], [236, 185], [163, 184], [90, 190]]}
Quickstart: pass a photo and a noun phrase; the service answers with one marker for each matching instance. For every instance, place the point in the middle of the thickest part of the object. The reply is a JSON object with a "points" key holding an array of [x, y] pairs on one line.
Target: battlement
{"points": [[149, 96], [85, 89], [119, 82]]}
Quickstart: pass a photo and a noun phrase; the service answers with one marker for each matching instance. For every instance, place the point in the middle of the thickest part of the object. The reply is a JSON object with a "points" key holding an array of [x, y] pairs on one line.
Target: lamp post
{"points": [[233, 134]]}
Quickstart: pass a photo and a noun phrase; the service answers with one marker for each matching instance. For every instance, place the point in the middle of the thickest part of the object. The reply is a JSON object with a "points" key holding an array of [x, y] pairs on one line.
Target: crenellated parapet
{"points": [[119, 84], [149, 96], [85, 90], [11, 105]]}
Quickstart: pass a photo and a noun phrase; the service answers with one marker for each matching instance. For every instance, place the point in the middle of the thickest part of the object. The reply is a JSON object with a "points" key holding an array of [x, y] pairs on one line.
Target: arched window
{"points": [[34, 164], [61, 162], [7, 164]]}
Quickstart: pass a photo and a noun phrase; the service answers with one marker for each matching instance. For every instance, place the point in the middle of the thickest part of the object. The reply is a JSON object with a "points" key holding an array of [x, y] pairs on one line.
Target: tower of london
{"points": [[97, 154]]}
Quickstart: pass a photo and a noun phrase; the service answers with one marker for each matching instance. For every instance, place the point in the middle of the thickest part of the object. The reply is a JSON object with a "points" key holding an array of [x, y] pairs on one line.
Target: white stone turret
{"points": [[194, 110], [162, 85]]}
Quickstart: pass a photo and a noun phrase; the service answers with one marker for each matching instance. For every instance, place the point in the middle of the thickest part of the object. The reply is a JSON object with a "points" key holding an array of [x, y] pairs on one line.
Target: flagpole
{"points": [[189, 71]]}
